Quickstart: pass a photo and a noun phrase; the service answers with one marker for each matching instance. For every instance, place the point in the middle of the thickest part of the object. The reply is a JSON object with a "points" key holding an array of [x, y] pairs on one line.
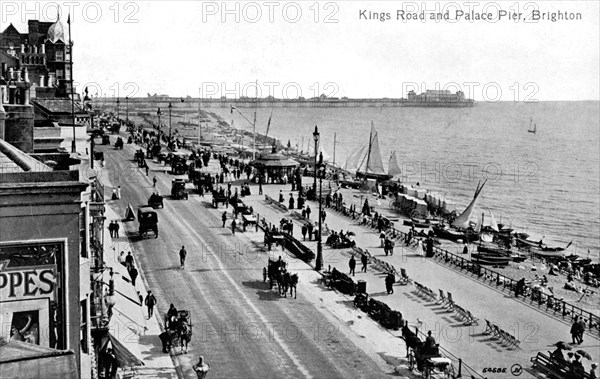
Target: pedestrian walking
{"points": [[304, 230], [141, 298], [382, 239], [150, 303], [111, 229], [119, 192], [389, 282], [117, 227], [146, 164], [307, 212], [114, 194], [310, 231], [224, 218], [182, 255], [233, 225], [154, 181], [465, 249], [201, 368], [364, 261], [580, 330], [133, 274], [291, 202], [281, 196], [352, 265], [323, 214], [575, 331], [390, 247], [129, 261]]}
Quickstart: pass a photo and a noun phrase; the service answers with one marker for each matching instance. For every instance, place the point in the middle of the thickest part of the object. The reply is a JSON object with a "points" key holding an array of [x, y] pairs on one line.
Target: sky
{"points": [[356, 49]]}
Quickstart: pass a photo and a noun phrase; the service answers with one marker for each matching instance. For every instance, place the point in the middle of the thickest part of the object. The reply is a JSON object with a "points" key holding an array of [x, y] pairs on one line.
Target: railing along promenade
{"points": [[548, 303]]}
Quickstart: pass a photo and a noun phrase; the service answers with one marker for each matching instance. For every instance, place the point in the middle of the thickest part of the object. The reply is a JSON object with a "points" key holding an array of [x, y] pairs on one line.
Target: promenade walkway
{"points": [[536, 330]]}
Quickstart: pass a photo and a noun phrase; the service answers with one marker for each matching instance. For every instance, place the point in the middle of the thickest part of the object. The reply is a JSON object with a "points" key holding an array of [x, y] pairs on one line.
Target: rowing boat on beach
{"points": [[489, 259]]}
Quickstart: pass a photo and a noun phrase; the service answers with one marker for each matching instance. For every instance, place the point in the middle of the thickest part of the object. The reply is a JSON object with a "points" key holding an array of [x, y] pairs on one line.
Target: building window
{"points": [[59, 74], [84, 327], [59, 55]]}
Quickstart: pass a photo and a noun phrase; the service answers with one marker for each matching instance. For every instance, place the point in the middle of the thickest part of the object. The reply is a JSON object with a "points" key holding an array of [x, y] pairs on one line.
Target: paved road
{"points": [[243, 329]]}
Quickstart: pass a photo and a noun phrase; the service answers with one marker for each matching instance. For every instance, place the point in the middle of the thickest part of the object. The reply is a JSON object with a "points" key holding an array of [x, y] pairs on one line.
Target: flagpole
{"points": [[199, 124], [334, 137], [254, 124], [73, 146]]}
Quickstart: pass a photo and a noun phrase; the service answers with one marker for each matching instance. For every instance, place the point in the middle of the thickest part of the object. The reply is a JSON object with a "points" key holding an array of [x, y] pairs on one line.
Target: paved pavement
{"points": [[142, 339]]}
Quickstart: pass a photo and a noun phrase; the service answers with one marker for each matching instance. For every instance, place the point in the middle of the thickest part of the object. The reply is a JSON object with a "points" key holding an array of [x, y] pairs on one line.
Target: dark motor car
{"points": [[148, 220]]}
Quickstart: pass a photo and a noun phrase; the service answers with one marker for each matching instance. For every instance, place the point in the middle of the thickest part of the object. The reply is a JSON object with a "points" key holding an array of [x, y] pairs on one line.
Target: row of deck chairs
{"points": [[380, 265], [447, 301], [498, 332]]}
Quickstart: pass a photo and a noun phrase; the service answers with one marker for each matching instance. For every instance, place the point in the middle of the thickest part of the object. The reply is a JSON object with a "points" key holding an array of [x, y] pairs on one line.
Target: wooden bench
{"points": [[555, 368]]}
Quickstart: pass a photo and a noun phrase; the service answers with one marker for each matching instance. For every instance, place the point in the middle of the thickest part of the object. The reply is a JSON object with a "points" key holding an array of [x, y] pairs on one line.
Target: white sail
{"points": [[462, 221], [479, 225], [372, 163], [493, 223], [352, 161], [393, 167]]}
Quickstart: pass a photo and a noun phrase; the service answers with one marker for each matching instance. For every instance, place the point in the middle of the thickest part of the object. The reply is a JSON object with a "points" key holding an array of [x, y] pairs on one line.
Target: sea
{"points": [[546, 184]]}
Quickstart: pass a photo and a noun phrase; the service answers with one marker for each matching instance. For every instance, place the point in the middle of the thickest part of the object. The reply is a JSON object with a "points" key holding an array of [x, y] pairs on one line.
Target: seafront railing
{"points": [[555, 306]]}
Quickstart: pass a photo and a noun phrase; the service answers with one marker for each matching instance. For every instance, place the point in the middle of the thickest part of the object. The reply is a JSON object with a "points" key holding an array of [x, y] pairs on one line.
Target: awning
{"points": [[124, 356]]}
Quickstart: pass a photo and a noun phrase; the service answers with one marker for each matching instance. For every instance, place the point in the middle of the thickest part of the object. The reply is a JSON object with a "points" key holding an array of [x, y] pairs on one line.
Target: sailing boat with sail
{"points": [[460, 229], [393, 167], [371, 165], [534, 130]]}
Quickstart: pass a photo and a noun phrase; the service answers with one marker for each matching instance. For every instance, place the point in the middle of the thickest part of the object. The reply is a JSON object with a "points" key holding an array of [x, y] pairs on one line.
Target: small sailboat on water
{"points": [[393, 167], [534, 130], [371, 165]]}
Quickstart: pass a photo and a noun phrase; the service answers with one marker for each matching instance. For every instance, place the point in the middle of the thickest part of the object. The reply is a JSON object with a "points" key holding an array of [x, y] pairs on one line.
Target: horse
{"points": [[286, 280], [185, 335], [292, 285]]}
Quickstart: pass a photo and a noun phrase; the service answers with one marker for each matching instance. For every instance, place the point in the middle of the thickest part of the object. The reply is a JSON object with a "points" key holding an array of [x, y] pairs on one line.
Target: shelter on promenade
{"points": [[273, 167]]}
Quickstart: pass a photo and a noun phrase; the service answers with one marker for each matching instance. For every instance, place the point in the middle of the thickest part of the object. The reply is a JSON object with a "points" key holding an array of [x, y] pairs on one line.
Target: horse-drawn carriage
{"points": [[178, 331], [218, 198], [178, 189], [277, 273], [156, 201], [426, 359], [148, 220], [179, 164], [119, 143]]}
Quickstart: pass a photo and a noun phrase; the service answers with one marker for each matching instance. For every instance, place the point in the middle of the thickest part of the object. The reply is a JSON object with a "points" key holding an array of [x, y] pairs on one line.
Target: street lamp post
{"points": [[126, 109], [118, 114], [158, 113], [316, 137], [170, 106], [319, 262]]}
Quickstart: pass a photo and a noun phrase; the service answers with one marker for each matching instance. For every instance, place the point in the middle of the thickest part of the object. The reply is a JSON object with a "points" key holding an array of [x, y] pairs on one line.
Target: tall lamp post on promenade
{"points": [[126, 109], [170, 106], [158, 113], [321, 168], [316, 137], [118, 102]]}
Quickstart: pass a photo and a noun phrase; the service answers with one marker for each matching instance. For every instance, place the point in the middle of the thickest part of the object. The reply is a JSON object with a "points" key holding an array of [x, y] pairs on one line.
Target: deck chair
{"points": [[489, 327], [443, 299], [472, 319], [497, 331], [450, 301], [461, 312], [405, 276]]}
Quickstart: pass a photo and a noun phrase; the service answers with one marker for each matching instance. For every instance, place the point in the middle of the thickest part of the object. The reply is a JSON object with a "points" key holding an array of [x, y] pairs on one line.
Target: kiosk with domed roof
{"points": [[274, 167]]}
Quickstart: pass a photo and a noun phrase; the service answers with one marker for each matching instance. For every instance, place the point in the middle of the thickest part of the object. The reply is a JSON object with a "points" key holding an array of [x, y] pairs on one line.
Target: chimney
{"points": [[50, 79], [22, 48], [4, 70], [11, 75], [35, 49], [42, 80], [42, 49], [25, 75]]}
